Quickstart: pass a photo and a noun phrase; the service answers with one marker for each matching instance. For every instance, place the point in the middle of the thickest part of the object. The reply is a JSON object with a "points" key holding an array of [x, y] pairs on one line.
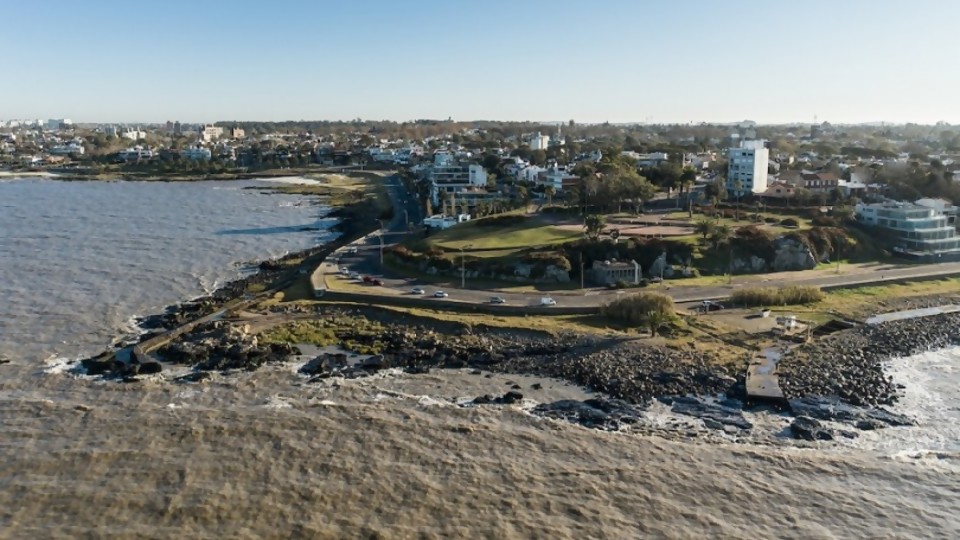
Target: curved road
{"points": [[364, 257]]}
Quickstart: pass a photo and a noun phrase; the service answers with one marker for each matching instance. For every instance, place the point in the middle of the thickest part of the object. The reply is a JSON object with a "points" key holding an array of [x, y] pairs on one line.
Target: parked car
{"points": [[498, 300], [417, 290], [368, 279], [547, 301], [354, 275], [352, 251], [344, 270], [708, 305], [376, 282], [440, 294]]}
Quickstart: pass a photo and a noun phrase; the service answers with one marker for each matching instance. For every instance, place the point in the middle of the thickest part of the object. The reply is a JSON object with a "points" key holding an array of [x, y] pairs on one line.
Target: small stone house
{"points": [[610, 272]]}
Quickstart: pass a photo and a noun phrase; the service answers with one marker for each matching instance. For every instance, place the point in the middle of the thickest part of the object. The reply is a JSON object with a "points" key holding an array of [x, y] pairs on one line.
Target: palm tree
{"points": [[655, 319], [704, 227], [549, 191], [593, 225]]}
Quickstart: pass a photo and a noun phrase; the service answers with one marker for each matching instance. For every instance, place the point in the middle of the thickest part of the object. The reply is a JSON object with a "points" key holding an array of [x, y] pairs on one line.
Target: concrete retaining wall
{"points": [[453, 305]]}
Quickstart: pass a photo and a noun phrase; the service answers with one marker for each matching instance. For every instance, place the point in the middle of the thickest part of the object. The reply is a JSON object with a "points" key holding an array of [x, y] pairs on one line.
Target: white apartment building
{"points": [[134, 134], [209, 132], [916, 229], [539, 141], [196, 153], [72, 147], [135, 153], [747, 171]]}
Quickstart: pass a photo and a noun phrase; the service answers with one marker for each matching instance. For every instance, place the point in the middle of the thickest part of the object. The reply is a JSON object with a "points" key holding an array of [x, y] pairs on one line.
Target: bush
{"points": [[649, 309], [790, 222], [772, 296], [771, 220], [506, 220], [824, 221]]}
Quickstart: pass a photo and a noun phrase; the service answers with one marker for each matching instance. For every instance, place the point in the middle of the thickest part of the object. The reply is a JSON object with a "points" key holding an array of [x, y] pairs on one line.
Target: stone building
{"points": [[610, 272]]}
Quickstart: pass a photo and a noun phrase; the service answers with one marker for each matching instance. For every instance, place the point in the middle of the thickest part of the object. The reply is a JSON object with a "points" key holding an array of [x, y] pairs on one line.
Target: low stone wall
{"points": [[453, 305]]}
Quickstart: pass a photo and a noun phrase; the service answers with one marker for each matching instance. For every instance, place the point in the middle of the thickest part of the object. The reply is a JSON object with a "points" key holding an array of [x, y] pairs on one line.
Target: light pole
{"points": [[380, 236], [581, 272], [463, 271]]}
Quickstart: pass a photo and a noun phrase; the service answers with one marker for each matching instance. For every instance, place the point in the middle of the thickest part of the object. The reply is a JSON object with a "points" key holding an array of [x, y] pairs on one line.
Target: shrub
{"points": [[649, 309], [506, 220], [790, 222], [824, 221], [771, 220], [772, 296]]}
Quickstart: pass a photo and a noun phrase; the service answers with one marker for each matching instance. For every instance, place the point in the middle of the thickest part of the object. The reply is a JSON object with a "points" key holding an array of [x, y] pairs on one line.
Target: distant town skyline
{"points": [[656, 62]]}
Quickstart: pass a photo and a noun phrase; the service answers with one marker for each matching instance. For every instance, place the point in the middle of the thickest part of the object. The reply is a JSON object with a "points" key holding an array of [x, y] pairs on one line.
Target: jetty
{"points": [[763, 383]]}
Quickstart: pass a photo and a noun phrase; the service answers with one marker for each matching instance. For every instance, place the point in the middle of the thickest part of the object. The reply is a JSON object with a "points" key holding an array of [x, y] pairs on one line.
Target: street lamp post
{"points": [[380, 236], [463, 271]]}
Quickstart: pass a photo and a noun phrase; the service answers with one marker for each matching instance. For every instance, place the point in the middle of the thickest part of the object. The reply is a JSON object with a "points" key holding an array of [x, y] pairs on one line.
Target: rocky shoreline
{"points": [[838, 379]]}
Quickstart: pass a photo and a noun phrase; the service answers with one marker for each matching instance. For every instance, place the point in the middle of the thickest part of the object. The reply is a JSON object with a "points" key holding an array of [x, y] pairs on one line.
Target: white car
{"points": [[498, 300], [417, 290], [344, 271], [352, 251], [354, 275], [547, 301], [440, 294]]}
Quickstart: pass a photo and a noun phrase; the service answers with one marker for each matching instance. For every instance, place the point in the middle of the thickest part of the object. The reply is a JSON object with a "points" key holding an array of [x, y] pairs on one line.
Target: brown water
{"points": [[265, 455]]}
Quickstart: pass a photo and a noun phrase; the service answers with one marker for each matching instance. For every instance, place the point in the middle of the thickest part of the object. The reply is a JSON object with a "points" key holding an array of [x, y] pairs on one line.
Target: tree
{"points": [[704, 227], [721, 234], [593, 226], [490, 162], [538, 157], [687, 178], [716, 189], [656, 319], [549, 191], [843, 213]]}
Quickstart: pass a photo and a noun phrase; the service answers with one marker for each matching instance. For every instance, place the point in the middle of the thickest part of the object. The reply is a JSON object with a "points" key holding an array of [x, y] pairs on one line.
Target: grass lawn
{"points": [[531, 233]]}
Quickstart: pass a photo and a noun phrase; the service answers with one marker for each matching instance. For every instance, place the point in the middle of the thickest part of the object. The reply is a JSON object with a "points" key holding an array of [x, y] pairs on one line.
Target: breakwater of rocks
{"points": [[849, 364]]}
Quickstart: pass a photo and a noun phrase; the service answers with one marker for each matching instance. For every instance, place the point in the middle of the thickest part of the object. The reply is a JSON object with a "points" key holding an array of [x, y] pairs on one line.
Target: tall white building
{"points": [[539, 141], [747, 171]]}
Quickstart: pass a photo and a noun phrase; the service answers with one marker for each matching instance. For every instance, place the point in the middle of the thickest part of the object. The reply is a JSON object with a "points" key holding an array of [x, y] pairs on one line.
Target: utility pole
{"points": [[463, 271], [581, 272], [380, 235]]}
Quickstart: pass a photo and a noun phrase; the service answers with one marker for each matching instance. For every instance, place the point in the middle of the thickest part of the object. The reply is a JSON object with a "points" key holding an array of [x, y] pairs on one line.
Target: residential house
{"points": [[780, 190], [820, 182], [558, 178]]}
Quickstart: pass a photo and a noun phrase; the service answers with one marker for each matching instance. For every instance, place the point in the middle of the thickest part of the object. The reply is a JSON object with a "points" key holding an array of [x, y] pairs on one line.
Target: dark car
{"points": [[376, 282], [707, 305]]}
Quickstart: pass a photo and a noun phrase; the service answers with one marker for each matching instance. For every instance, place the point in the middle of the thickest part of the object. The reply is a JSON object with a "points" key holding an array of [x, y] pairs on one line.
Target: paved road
{"points": [[367, 261]]}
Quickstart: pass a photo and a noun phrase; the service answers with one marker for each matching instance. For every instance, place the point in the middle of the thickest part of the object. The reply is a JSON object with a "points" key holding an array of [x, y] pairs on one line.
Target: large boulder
{"points": [[808, 429], [791, 254]]}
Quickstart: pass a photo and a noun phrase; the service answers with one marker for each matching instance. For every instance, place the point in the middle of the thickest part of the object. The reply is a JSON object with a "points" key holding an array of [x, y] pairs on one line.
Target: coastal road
{"points": [[367, 257], [366, 261]]}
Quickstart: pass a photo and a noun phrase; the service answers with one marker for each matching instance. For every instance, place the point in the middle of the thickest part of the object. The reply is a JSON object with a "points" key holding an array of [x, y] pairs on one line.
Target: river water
{"points": [[264, 455]]}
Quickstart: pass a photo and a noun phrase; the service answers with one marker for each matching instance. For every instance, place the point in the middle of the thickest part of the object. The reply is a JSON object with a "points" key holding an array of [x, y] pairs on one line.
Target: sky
{"points": [[656, 61]]}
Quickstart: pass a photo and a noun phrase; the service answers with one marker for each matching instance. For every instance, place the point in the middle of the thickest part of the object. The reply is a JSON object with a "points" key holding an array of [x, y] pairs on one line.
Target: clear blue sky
{"points": [[593, 61]]}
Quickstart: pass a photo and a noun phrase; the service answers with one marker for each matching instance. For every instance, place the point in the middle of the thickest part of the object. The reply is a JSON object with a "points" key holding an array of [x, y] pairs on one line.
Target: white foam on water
{"points": [[931, 396], [428, 401], [58, 365], [291, 180], [277, 402]]}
